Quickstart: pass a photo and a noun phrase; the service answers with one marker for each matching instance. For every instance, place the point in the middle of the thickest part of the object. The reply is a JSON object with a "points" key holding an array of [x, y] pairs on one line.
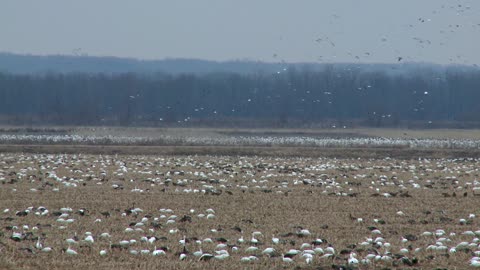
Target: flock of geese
{"points": [[252, 140], [440, 34], [81, 232], [138, 240]]}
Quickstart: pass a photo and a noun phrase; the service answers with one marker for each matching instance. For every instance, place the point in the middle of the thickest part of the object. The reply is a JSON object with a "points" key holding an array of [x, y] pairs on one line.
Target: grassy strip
{"points": [[400, 153]]}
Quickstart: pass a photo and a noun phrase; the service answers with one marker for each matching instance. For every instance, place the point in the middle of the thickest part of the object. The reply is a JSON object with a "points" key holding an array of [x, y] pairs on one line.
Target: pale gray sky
{"points": [[267, 30]]}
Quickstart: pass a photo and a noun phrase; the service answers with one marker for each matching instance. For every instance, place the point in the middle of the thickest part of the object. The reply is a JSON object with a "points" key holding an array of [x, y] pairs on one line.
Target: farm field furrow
{"points": [[87, 211]]}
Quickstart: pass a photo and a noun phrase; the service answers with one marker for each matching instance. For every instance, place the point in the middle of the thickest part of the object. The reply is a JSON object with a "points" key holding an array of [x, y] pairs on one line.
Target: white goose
{"points": [[268, 251], [275, 240], [70, 251], [286, 259], [38, 245], [198, 253], [353, 261], [158, 252], [253, 240]]}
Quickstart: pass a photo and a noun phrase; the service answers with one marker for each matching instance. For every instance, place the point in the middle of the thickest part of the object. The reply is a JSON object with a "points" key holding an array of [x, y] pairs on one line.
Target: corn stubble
{"points": [[339, 201]]}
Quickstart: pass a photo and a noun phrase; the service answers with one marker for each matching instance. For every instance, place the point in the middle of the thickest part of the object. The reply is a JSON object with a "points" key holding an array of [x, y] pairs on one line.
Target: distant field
{"points": [[368, 132], [332, 132], [378, 153], [337, 132], [270, 142]]}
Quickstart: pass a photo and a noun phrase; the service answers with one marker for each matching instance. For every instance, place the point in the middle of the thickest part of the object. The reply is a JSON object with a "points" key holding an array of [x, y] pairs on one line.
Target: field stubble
{"points": [[278, 197]]}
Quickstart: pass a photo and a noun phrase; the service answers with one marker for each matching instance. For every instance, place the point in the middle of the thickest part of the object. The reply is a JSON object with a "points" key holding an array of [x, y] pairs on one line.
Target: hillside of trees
{"points": [[330, 95], [35, 64], [41, 65]]}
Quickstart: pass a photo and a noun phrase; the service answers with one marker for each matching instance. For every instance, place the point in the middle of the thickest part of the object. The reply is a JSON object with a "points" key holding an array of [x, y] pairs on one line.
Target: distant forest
{"points": [[328, 95]]}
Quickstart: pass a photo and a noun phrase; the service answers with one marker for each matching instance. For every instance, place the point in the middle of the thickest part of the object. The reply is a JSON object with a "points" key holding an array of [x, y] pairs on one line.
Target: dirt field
{"points": [[338, 132], [312, 152], [387, 213]]}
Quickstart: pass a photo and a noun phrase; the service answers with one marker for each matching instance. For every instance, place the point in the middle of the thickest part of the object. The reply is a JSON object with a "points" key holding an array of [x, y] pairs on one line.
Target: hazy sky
{"points": [[440, 31]]}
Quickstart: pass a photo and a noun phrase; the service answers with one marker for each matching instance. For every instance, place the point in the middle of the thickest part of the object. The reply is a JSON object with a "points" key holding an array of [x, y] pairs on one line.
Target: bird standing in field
{"points": [[70, 251]]}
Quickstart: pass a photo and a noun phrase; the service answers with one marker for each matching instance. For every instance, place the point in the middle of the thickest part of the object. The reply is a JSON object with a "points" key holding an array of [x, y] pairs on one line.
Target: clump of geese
{"points": [[146, 233], [257, 140], [300, 247]]}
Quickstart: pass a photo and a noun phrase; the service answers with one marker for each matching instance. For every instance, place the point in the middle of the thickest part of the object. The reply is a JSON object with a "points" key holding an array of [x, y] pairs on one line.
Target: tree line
{"points": [[333, 96]]}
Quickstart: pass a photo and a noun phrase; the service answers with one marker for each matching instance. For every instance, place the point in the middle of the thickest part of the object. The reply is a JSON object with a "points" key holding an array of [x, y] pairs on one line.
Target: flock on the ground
{"points": [[251, 140], [158, 233]]}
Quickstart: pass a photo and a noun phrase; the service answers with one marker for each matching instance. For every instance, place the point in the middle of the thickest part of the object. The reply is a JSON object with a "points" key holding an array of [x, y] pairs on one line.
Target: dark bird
{"points": [[206, 257]]}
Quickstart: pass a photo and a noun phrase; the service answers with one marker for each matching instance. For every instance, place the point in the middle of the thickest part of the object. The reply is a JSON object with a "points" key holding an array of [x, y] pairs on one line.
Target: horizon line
{"points": [[242, 60]]}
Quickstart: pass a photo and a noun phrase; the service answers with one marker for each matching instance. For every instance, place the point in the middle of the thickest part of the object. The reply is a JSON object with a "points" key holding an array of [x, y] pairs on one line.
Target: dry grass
{"points": [[221, 132], [335, 132], [271, 209], [312, 152]]}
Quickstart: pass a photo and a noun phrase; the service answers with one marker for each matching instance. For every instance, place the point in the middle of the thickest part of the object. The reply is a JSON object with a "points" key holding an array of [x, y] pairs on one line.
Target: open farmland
{"points": [[321, 138], [237, 212], [335, 143]]}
